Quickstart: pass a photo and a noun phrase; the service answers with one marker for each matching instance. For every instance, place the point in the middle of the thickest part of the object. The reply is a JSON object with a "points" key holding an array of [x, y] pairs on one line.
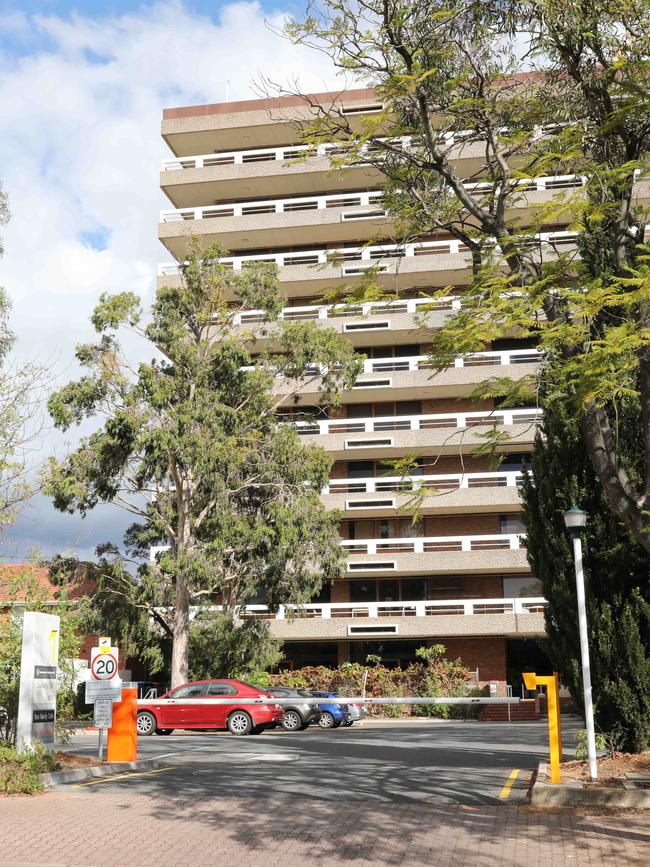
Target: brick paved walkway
{"points": [[101, 830]]}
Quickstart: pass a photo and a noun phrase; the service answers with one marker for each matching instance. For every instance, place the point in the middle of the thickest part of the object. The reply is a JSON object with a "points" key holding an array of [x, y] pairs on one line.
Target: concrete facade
{"points": [[233, 159]]}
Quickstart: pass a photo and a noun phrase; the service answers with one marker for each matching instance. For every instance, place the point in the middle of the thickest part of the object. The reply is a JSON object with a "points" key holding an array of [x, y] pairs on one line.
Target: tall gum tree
{"points": [[190, 444], [523, 91]]}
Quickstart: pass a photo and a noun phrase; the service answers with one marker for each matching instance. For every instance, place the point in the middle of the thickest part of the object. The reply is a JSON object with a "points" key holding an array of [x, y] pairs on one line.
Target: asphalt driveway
{"points": [[465, 763]]}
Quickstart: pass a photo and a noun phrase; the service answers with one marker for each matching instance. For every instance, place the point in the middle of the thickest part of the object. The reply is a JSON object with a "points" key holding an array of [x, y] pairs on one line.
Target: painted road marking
{"points": [[505, 791], [120, 777]]}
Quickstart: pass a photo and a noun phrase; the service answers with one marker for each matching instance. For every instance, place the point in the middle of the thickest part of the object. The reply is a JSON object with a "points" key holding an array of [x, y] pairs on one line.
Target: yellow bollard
{"points": [[551, 682]]}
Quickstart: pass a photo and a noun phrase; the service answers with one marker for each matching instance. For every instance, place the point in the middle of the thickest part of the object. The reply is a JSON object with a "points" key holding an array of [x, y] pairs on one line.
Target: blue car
{"points": [[331, 715]]}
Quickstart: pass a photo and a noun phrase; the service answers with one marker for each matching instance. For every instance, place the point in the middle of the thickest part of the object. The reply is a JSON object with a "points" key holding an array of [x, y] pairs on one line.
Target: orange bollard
{"points": [[123, 734]]}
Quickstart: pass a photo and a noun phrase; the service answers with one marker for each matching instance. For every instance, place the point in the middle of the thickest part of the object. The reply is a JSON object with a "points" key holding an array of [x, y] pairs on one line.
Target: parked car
{"points": [[331, 715], [299, 715], [186, 708], [357, 712]]}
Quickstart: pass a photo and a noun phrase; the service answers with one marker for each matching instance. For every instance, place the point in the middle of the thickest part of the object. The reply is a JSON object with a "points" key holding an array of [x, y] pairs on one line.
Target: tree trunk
{"points": [[181, 644]]}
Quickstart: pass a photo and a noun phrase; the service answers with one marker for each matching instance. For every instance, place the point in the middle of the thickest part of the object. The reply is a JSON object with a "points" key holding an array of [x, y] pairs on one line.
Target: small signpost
{"points": [[104, 686], [38, 679]]}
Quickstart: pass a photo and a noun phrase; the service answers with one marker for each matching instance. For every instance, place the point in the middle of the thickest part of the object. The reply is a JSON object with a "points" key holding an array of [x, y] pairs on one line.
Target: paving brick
{"points": [[90, 829]]}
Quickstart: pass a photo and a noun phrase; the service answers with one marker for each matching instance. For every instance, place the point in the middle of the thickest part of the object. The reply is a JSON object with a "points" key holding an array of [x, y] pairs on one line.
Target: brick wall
{"points": [[460, 525], [340, 591], [487, 654], [432, 465], [466, 587], [452, 404]]}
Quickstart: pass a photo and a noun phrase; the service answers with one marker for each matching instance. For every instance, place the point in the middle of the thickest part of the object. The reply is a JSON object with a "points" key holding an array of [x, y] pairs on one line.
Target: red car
{"points": [[186, 707]]}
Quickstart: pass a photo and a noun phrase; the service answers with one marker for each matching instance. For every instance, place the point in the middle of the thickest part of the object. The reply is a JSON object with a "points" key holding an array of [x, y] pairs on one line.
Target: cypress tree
{"points": [[616, 576]]}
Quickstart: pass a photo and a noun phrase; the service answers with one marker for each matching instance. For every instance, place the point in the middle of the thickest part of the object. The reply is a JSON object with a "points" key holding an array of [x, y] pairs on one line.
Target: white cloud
{"points": [[81, 146]]}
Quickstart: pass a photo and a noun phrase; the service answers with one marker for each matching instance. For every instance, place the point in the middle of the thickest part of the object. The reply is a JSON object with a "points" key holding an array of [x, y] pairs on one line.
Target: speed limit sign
{"points": [[104, 666]]}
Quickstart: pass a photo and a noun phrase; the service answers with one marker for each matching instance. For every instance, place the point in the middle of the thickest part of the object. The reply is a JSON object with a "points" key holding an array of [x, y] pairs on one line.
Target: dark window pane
{"points": [[363, 591]]}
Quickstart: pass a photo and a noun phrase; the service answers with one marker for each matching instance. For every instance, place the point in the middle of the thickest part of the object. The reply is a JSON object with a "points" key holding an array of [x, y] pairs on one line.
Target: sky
{"points": [[83, 87]]}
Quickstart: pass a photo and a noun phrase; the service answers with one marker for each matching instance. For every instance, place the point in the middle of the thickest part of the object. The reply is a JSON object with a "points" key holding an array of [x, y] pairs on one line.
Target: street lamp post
{"points": [[575, 521]]}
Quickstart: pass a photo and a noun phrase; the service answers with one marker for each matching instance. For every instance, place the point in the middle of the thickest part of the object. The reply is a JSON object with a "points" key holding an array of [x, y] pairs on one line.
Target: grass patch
{"points": [[19, 771]]}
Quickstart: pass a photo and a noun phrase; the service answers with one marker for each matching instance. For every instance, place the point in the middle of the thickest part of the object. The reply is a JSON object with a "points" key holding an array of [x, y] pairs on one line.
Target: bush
{"points": [[435, 675], [19, 771]]}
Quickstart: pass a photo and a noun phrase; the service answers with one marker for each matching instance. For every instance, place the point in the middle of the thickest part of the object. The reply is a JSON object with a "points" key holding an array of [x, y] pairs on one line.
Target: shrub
{"points": [[434, 675], [19, 771]]}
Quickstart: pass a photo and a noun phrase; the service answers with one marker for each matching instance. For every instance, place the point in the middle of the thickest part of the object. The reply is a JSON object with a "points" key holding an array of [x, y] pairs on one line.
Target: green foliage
{"points": [[22, 590], [19, 771], [616, 575], [434, 676], [190, 444], [582, 750], [219, 647], [451, 78]]}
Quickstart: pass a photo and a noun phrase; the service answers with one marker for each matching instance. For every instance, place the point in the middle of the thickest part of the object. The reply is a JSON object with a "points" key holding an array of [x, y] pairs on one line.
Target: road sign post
{"points": [[38, 679], [103, 720], [104, 687]]}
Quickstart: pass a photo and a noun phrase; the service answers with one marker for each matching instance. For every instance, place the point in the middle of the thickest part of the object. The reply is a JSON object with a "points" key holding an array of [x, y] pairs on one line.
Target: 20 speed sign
{"points": [[104, 666]]}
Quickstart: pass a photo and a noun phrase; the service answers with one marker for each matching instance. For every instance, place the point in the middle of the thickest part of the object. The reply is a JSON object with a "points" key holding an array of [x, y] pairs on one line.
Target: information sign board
{"points": [[38, 679], [103, 713], [107, 689]]}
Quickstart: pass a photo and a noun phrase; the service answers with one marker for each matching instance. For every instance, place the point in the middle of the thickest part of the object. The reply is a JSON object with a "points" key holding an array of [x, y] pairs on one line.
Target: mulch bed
{"points": [[70, 760], [611, 769]]}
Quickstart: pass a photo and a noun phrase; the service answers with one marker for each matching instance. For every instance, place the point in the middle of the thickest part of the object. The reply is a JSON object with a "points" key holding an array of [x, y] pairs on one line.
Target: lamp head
{"points": [[575, 520]]}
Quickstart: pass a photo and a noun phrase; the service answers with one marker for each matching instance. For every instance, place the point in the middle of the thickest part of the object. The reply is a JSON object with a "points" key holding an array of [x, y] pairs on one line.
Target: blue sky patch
{"points": [[97, 239]]}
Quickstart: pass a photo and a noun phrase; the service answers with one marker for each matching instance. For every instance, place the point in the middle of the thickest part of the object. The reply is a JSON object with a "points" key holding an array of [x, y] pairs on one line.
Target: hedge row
{"points": [[435, 676]]}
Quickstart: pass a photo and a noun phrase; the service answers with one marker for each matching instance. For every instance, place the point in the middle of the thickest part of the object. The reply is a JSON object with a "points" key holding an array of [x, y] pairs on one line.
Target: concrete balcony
{"points": [[411, 377], [437, 555], [439, 433], [204, 178], [397, 266], [443, 494], [272, 122], [331, 218], [210, 178], [372, 324], [421, 619], [277, 223]]}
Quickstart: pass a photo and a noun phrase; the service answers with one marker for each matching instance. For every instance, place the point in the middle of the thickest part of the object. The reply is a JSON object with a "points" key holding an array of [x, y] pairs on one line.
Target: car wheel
{"points": [[164, 731], [348, 723], [326, 720], [292, 721], [239, 723], [146, 723]]}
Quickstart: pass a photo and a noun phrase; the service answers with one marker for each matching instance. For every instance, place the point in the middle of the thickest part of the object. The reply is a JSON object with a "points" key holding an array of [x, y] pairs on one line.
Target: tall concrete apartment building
{"points": [[459, 576]]}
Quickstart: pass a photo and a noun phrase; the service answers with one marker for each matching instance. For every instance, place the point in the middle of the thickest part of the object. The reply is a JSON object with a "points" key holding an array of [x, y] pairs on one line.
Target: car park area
{"points": [[429, 761]]}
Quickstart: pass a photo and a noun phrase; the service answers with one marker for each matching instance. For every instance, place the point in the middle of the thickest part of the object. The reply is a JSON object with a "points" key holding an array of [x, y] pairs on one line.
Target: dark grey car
{"points": [[298, 715]]}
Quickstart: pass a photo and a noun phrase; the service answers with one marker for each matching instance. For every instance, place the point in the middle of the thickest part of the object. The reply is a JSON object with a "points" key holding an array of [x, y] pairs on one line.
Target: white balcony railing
{"points": [[370, 200], [413, 363], [354, 260], [294, 152], [474, 359], [346, 311], [435, 544], [460, 420], [279, 154], [412, 484], [425, 608]]}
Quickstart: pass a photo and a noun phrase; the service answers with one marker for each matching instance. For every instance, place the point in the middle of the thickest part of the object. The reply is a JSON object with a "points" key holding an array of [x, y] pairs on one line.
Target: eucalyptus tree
{"points": [[190, 444], [516, 92]]}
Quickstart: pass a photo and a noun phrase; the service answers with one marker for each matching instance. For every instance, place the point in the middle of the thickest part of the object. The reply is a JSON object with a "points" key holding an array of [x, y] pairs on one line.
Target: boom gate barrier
{"points": [[531, 681]]}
